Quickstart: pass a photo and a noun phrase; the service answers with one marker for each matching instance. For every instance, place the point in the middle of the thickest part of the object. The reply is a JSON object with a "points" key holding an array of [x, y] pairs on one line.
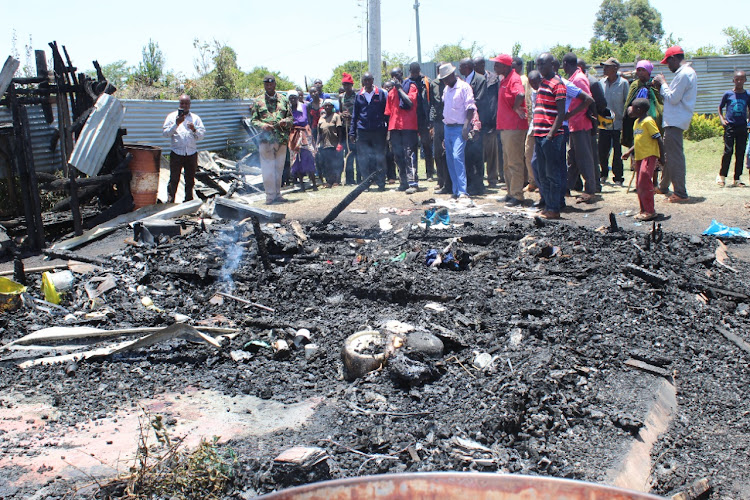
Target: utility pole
{"points": [[419, 41], [374, 56]]}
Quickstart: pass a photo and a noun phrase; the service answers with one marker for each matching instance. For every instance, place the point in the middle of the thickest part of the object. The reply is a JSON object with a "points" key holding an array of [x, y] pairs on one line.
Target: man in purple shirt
{"points": [[458, 111]]}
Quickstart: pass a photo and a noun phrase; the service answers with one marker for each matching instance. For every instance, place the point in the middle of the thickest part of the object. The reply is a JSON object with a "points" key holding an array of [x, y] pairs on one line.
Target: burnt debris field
{"points": [[526, 347]]}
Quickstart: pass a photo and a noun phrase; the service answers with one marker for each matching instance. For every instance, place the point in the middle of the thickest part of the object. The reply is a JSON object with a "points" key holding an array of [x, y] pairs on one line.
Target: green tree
{"points": [[738, 40], [705, 51], [251, 83], [226, 74], [392, 60], [558, 51], [610, 21], [354, 68], [619, 21], [151, 68], [643, 22], [454, 51], [118, 73], [516, 49]]}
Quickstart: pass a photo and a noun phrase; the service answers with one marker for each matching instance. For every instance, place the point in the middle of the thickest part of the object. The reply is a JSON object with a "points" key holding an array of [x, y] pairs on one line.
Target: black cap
{"points": [[269, 79]]}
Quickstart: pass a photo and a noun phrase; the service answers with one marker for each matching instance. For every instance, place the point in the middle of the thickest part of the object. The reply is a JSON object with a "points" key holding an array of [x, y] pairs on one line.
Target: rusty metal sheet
{"points": [[97, 136], [456, 486]]}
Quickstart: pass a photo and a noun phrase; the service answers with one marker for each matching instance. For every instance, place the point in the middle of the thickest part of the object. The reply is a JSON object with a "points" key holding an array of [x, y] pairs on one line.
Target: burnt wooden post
{"points": [[19, 161], [33, 183], [66, 140], [24, 161]]}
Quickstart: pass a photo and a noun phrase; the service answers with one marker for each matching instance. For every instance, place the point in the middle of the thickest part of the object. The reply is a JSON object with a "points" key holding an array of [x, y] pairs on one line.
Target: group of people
{"points": [[539, 131]]}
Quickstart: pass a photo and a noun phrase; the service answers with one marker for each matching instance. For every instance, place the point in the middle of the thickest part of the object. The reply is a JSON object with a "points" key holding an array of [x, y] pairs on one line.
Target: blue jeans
{"points": [[551, 169], [455, 158]]}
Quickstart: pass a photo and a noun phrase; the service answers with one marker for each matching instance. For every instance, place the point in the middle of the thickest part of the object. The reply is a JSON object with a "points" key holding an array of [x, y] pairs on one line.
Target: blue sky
{"points": [[302, 38]]}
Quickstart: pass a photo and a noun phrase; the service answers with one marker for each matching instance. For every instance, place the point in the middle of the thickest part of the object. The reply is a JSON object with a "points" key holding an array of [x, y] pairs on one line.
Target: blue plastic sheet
{"points": [[719, 229], [436, 215]]}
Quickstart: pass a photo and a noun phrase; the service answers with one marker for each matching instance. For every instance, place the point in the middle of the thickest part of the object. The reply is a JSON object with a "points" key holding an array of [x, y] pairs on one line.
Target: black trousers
{"points": [[331, 165], [349, 162], [178, 163], [610, 140], [426, 140], [475, 165], [443, 178], [735, 140], [371, 151], [404, 145]]}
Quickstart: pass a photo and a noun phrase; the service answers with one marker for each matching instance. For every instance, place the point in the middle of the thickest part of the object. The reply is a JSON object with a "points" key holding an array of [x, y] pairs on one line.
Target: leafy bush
{"points": [[704, 127]]}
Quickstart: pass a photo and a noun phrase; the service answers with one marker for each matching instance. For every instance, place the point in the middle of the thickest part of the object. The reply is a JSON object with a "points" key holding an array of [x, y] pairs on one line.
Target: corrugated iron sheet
{"points": [[97, 135], [43, 134], [144, 121], [6, 74], [714, 77]]}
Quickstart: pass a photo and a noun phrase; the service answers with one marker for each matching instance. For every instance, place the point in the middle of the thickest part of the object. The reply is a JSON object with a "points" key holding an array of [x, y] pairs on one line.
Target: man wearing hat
{"points": [[512, 123], [679, 103], [272, 115], [458, 111], [615, 92], [346, 105]]}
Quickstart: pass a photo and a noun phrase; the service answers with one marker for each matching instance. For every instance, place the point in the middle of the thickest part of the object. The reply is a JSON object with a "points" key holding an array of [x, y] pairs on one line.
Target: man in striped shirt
{"points": [[548, 135]]}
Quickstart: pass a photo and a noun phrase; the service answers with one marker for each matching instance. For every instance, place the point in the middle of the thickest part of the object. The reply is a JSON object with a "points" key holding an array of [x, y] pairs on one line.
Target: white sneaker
{"points": [[464, 199], [721, 180]]}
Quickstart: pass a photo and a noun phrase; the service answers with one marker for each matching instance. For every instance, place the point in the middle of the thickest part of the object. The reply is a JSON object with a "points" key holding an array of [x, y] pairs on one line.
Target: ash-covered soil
{"points": [[554, 306]]}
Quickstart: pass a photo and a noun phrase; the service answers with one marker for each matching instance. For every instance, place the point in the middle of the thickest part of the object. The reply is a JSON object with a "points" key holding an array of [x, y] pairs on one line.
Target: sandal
{"points": [[720, 181], [644, 216], [676, 199]]}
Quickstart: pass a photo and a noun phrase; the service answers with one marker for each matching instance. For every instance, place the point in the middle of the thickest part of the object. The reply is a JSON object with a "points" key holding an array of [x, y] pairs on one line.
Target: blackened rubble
{"points": [[557, 399]]}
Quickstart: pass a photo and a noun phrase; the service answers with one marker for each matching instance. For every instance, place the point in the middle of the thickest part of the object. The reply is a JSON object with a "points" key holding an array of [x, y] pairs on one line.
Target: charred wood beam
{"points": [[34, 223], [646, 275], [121, 206], [63, 184], [348, 199], [41, 64], [66, 255], [260, 239]]}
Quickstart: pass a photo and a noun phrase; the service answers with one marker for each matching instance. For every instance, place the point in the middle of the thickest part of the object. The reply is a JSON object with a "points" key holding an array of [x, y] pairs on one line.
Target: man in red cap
{"points": [[346, 105], [513, 125], [679, 103]]}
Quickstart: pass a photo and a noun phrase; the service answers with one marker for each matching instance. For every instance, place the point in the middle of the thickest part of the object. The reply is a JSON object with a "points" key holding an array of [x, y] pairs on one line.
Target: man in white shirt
{"points": [[183, 129], [679, 103]]}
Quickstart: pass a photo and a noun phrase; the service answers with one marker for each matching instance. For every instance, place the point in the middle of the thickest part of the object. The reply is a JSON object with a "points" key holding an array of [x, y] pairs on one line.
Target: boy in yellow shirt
{"points": [[649, 147]]}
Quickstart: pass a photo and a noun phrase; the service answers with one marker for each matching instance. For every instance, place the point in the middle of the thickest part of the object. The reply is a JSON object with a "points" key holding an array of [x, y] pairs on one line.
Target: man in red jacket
{"points": [[401, 108]]}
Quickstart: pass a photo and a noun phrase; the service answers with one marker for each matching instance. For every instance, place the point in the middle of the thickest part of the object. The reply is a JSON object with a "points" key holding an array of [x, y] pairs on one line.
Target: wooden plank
{"points": [[735, 339], [655, 370], [695, 491], [58, 333]]}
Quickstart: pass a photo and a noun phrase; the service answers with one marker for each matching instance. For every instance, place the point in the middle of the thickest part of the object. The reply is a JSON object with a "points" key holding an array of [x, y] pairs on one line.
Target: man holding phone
{"points": [[183, 129]]}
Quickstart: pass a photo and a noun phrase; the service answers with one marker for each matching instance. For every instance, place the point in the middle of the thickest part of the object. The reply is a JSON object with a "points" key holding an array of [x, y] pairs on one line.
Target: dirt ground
{"points": [[707, 202]]}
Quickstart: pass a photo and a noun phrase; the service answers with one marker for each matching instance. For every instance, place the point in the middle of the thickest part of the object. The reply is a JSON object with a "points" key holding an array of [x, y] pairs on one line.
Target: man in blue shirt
{"points": [[368, 129], [735, 124]]}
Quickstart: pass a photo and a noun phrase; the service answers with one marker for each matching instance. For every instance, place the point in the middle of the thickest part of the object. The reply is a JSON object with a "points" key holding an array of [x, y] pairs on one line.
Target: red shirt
{"points": [[509, 88], [400, 118], [545, 111], [581, 121]]}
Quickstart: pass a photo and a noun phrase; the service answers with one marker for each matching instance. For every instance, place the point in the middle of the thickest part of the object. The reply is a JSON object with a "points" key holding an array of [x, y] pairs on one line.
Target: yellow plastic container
{"points": [[10, 294]]}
